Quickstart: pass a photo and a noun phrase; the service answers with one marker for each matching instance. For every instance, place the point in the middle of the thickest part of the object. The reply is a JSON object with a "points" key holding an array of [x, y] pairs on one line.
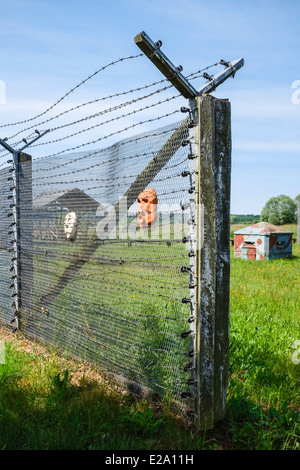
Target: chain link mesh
{"points": [[116, 291], [115, 301]]}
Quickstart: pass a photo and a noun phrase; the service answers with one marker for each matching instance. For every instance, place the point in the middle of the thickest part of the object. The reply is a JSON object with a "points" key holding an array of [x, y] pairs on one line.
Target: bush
{"points": [[279, 210]]}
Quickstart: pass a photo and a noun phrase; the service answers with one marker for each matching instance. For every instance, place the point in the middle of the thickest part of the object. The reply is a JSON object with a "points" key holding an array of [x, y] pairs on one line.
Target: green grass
{"points": [[263, 395], [42, 407]]}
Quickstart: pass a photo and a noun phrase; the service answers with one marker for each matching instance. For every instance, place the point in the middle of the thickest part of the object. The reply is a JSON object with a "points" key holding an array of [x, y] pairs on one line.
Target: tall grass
{"points": [[263, 395]]}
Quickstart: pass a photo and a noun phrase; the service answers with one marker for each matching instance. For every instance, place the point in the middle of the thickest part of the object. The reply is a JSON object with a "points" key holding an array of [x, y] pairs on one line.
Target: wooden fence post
{"points": [[213, 169], [25, 228]]}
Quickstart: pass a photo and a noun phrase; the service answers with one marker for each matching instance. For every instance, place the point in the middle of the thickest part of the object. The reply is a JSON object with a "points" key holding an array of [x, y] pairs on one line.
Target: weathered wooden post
{"points": [[210, 142], [212, 147], [22, 226], [25, 224]]}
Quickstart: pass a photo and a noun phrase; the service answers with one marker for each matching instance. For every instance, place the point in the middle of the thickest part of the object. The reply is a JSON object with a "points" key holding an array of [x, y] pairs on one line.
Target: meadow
{"points": [[50, 402]]}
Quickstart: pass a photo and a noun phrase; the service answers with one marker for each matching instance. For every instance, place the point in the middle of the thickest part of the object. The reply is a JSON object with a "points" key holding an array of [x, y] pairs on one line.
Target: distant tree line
{"points": [[244, 219], [278, 210]]}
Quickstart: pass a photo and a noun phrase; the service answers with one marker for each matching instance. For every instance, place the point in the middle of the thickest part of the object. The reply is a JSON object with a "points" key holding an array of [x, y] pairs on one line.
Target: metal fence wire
{"points": [[101, 278], [120, 305], [96, 233]]}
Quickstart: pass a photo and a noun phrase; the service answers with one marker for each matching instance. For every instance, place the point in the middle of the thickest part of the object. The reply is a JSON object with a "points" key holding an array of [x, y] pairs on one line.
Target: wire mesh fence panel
{"points": [[117, 251], [107, 229]]}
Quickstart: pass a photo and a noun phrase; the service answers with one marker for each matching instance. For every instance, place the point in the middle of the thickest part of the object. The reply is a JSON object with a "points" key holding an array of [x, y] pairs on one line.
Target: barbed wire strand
{"points": [[73, 89]]}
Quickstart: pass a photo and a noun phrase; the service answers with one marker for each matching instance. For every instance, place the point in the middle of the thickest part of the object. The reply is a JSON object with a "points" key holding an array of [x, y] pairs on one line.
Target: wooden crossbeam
{"points": [[172, 73]]}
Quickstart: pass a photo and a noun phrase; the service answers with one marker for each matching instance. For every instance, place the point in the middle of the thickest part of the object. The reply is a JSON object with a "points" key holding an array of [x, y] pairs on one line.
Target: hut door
{"points": [[249, 250]]}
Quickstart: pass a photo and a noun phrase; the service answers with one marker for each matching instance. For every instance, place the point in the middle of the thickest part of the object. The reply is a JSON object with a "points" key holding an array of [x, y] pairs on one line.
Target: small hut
{"points": [[49, 210], [262, 241], [72, 199]]}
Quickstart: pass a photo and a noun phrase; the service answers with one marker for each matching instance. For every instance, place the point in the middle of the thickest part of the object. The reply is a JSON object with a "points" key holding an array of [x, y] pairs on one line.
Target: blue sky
{"points": [[47, 47]]}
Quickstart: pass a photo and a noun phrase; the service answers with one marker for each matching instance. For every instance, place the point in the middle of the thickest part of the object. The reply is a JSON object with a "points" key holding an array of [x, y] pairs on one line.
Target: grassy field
{"points": [[48, 402]]}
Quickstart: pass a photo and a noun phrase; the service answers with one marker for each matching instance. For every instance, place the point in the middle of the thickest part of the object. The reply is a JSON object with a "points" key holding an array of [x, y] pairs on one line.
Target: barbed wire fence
{"points": [[79, 270]]}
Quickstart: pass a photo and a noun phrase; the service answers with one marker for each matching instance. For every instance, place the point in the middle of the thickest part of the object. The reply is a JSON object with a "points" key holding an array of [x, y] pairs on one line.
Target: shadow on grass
{"points": [[249, 426], [64, 416], [262, 404]]}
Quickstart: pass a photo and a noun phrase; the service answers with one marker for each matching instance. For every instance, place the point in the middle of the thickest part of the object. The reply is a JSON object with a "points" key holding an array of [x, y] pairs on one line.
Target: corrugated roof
{"points": [[261, 228]]}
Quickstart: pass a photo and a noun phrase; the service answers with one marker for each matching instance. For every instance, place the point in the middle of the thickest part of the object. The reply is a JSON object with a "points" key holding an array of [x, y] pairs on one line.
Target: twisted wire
{"points": [[130, 113], [78, 85], [132, 126]]}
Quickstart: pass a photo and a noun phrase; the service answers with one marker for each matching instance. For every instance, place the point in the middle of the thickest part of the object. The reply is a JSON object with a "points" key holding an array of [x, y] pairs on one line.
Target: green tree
{"points": [[279, 210]]}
